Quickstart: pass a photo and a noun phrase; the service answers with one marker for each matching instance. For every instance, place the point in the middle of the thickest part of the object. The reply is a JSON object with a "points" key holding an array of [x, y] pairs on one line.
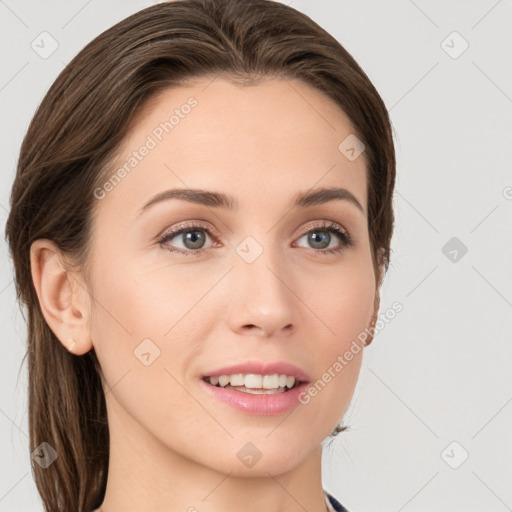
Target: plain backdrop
{"points": [[431, 416]]}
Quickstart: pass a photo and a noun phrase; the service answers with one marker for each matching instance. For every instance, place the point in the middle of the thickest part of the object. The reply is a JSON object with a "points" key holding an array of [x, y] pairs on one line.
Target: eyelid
{"points": [[189, 224], [208, 227], [322, 224]]}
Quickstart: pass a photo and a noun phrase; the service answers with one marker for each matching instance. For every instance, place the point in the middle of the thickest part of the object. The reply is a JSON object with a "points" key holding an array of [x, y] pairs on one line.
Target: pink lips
{"points": [[261, 404], [267, 405], [279, 367]]}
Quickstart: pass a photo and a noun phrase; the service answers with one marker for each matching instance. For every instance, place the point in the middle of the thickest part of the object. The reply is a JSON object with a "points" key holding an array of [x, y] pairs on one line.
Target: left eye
{"points": [[320, 235]]}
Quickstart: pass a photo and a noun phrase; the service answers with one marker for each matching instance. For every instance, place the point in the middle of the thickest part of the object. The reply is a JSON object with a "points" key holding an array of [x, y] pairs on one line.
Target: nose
{"points": [[262, 301]]}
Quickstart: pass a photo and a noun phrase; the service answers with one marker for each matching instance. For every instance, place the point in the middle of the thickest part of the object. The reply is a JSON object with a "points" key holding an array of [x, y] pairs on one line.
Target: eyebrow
{"points": [[221, 200]]}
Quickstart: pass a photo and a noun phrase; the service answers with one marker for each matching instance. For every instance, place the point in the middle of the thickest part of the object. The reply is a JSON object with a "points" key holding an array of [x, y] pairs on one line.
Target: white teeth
{"points": [[223, 380], [254, 381], [237, 379], [270, 381]]}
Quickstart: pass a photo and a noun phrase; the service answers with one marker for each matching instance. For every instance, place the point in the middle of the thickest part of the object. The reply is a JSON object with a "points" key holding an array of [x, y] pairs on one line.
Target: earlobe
{"points": [[62, 299]]}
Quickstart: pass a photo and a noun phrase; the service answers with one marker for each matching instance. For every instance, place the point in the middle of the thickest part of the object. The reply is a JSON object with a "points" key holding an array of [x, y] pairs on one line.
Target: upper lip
{"points": [[258, 367]]}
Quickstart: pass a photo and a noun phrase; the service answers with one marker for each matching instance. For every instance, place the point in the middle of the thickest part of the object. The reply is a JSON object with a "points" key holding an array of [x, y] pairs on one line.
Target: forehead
{"points": [[278, 135]]}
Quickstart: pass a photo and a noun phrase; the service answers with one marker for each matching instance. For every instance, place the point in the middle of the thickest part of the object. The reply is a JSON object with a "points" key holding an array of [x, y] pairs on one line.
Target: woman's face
{"points": [[260, 282]]}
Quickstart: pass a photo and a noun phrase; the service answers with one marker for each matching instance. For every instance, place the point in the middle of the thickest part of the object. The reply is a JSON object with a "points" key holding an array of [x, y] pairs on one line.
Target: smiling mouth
{"points": [[253, 390]]}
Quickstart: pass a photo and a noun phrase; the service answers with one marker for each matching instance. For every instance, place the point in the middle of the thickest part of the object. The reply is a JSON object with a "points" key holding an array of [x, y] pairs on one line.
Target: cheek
{"points": [[142, 336], [152, 319], [141, 301], [146, 315], [343, 302]]}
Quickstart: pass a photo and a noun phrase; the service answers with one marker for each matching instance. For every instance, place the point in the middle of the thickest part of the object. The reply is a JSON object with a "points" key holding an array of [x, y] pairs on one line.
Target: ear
{"points": [[376, 304], [374, 318], [62, 295]]}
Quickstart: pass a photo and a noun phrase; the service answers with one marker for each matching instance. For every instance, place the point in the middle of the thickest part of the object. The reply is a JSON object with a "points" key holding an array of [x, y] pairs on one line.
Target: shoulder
{"points": [[333, 504]]}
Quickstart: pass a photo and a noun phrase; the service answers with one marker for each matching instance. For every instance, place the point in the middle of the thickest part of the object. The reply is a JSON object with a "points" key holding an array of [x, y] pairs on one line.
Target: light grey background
{"points": [[440, 371]]}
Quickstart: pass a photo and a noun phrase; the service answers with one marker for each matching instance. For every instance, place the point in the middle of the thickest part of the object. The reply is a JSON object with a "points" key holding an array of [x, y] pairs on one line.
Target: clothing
{"points": [[333, 504]]}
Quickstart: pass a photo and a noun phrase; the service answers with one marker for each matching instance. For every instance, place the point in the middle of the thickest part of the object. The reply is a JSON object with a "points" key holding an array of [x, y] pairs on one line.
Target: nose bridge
{"points": [[262, 295], [259, 265]]}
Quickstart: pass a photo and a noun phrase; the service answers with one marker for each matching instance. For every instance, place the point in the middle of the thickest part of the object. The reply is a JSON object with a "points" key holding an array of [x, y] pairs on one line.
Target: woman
{"points": [[200, 224]]}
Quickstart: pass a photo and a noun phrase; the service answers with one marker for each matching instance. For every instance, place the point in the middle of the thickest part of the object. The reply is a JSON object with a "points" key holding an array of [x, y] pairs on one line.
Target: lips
{"points": [[257, 404], [261, 368]]}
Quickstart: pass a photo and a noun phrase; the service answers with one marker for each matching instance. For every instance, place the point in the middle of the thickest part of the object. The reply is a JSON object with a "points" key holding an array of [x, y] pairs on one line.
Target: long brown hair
{"points": [[68, 150]]}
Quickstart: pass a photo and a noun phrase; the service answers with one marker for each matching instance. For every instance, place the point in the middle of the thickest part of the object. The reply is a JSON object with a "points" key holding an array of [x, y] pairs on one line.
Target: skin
{"points": [[173, 445]]}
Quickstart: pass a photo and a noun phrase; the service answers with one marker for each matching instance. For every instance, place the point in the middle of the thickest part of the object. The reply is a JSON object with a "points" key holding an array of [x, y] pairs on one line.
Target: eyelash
{"points": [[330, 227]]}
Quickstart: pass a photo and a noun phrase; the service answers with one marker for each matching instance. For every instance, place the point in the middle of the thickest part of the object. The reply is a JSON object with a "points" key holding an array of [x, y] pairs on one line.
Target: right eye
{"points": [[194, 236]]}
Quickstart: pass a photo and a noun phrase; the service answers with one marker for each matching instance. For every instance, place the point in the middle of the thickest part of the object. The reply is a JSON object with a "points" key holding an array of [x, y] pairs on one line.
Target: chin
{"points": [[257, 456]]}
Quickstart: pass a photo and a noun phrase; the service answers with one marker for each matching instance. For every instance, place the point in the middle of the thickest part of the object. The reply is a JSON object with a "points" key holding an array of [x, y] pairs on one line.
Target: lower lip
{"points": [[268, 405]]}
